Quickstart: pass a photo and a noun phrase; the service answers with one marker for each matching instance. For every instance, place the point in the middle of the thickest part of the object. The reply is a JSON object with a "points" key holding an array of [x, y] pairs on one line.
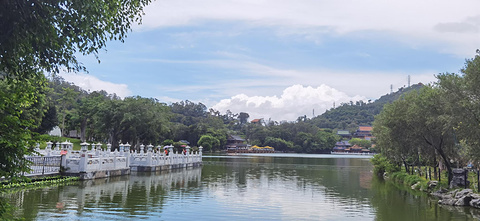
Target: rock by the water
{"points": [[463, 193], [475, 203], [440, 193], [463, 201], [414, 186], [447, 201], [432, 184], [457, 197]]}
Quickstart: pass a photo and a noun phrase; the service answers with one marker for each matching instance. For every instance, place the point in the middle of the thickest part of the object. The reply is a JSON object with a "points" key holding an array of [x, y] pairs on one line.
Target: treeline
{"points": [[437, 125], [101, 117]]}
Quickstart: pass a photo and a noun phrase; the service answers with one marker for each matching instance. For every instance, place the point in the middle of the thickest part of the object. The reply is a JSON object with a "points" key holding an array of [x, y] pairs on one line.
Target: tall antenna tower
{"points": [[408, 80], [391, 88]]}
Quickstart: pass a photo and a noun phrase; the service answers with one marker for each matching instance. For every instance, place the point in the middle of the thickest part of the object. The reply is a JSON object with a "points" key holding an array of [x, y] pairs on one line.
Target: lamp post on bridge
{"points": [[84, 146], [127, 147]]}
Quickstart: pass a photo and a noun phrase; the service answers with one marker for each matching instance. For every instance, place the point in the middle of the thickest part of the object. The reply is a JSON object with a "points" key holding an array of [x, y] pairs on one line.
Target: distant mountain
{"points": [[348, 116]]}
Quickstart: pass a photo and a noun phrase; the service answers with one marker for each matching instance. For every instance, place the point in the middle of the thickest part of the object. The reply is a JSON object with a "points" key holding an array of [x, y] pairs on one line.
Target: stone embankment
{"points": [[455, 196], [458, 197]]}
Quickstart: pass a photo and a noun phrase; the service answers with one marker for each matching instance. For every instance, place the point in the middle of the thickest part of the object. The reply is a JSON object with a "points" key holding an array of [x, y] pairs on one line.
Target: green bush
{"points": [[382, 165], [408, 180], [412, 179]]}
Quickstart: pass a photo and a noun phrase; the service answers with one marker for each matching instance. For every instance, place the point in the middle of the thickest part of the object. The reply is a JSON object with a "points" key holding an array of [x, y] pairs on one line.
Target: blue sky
{"points": [[282, 59]]}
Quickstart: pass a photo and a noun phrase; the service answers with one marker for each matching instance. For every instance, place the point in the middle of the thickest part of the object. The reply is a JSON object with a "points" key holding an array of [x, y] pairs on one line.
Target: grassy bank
{"points": [[15, 185], [397, 174], [410, 180]]}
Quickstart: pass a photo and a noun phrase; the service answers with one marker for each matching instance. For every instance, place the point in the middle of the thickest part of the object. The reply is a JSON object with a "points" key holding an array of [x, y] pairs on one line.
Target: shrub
{"points": [[382, 165]]}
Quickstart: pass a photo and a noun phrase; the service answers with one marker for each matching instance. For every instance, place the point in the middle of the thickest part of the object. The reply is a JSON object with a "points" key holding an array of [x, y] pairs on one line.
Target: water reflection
{"points": [[393, 202], [239, 188], [128, 196], [307, 188]]}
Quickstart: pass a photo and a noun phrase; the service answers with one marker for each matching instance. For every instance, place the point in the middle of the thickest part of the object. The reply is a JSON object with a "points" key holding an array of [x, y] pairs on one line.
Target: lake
{"points": [[241, 187]]}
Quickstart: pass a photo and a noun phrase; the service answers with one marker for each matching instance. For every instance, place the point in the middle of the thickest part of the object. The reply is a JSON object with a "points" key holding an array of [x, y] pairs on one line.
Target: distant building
{"points": [[345, 134], [341, 146], [355, 149], [364, 132], [73, 134], [236, 142], [256, 121]]}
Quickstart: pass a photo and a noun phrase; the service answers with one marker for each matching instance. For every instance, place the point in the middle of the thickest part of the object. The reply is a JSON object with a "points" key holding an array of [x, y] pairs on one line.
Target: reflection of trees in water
{"points": [[123, 194], [347, 179], [393, 202], [365, 180]]}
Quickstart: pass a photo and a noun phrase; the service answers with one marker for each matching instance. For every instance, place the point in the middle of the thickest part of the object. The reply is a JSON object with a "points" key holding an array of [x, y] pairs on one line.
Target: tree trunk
{"points": [[83, 127], [406, 166], [113, 141], [62, 131], [447, 163]]}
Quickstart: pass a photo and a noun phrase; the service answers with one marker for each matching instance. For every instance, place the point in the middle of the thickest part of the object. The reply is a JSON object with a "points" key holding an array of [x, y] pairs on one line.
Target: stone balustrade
{"points": [[94, 162]]}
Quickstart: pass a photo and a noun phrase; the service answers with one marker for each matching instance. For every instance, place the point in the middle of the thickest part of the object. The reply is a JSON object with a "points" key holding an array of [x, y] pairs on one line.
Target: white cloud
{"points": [[91, 83], [295, 101], [412, 22]]}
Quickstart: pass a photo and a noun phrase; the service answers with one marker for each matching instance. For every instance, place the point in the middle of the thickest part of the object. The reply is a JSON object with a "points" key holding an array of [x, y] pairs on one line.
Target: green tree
{"points": [[360, 142], [49, 120], [44, 36], [424, 121], [208, 142], [278, 143], [86, 111], [462, 93], [67, 101], [243, 117], [393, 134], [20, 112]]}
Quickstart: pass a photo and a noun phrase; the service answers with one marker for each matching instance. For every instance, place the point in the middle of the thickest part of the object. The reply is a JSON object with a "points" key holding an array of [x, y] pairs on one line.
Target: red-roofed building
{"points": [[364, 132], [257, 121]]}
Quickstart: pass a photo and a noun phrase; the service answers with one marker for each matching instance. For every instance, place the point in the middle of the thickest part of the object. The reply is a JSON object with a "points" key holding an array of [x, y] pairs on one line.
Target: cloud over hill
{"points": [[295, 101]]}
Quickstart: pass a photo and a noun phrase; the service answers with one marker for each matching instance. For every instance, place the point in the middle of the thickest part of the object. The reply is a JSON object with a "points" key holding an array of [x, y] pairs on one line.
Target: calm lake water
{"points": [[241, 187]]}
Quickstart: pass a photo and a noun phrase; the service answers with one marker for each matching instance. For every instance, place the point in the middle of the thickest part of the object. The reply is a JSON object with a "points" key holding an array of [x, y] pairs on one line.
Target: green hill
{"points": [[349, 116]]}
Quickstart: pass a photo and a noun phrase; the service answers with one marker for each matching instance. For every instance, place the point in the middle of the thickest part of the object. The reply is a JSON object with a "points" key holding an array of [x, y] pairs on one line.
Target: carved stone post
{"points": [[48, 148], [84, 146], [121, 147]]}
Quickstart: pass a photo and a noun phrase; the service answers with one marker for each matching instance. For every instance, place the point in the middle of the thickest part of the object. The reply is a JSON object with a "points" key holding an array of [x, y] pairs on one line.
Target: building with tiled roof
{"points": [[364, 132], [344, 134], [235, 142], [256, 121]]}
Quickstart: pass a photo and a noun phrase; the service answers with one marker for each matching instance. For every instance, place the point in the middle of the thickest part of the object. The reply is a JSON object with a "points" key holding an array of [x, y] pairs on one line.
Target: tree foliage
{"points": [[417, 125], [208, 142], [360, 142], [44, 36], [463, 100], [439, 121], [20, 111]]}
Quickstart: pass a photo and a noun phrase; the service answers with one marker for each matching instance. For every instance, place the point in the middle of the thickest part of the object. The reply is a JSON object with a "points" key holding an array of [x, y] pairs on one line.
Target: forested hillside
{"points": [[348, 116], [101, 117]]}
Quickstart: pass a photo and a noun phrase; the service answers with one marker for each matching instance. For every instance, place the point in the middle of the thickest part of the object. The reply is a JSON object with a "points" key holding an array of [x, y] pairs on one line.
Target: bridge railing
{"points": [[42, 165], [96, 159]]}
